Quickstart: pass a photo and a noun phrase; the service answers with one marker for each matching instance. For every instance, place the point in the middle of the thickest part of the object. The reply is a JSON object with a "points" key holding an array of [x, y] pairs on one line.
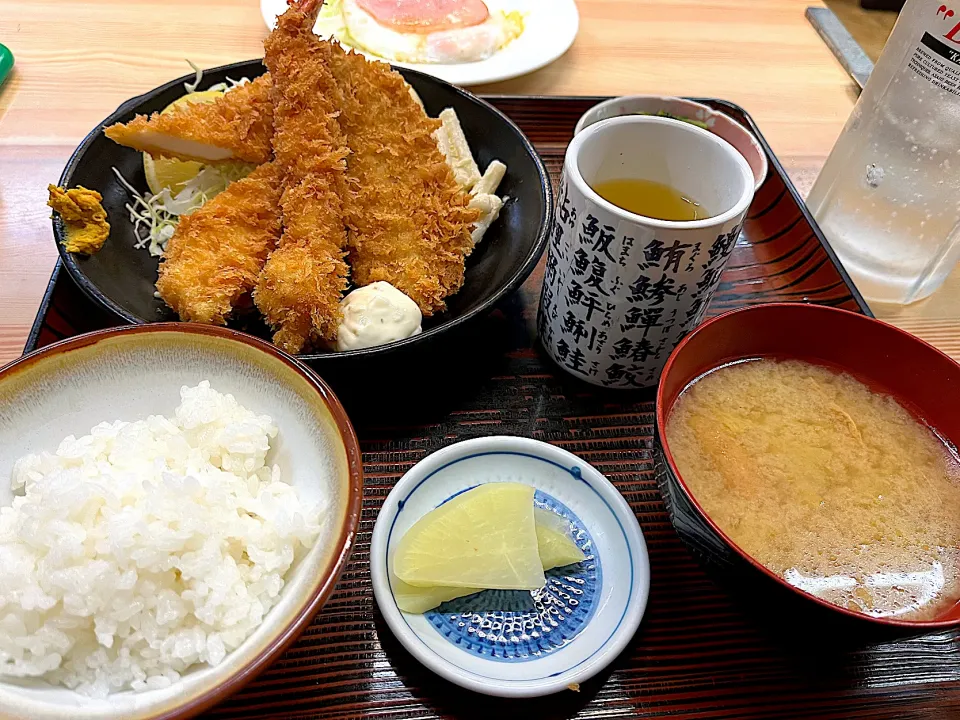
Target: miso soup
{"points": [[835, 487]]}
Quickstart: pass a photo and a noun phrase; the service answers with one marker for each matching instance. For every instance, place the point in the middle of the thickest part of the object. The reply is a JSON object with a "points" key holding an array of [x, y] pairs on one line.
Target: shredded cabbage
{"points": [[155, 217], [330, 21], [230, 84]]}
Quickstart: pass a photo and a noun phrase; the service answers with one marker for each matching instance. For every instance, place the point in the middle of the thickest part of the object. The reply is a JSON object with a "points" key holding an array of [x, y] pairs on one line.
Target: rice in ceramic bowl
{"points": [[146, 547], [176, 503]]}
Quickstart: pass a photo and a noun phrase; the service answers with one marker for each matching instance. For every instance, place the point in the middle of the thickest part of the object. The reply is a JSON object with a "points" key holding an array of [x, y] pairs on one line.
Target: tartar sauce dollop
{"points": [[376, 314]]}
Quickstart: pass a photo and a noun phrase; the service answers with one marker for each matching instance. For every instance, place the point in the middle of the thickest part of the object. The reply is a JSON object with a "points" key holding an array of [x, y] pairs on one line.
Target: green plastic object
{"points": [[6, 62]]}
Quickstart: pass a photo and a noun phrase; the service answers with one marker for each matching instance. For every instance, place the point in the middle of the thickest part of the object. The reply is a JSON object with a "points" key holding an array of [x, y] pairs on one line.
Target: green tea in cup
{"points": [[651, 199]]}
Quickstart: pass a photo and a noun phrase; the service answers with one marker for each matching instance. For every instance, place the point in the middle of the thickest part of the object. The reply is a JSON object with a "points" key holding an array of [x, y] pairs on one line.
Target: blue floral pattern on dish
{"points": [[519, 625]]}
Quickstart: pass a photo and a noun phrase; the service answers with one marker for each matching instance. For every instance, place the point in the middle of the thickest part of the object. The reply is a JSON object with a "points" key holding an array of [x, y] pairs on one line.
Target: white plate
{"points": [[569, 630], [550, 27]]}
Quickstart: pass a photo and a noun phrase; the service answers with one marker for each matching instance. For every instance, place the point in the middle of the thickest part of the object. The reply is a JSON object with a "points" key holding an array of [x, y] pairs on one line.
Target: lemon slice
{"points": [[169, 172], [484, 538], [554, 545]]}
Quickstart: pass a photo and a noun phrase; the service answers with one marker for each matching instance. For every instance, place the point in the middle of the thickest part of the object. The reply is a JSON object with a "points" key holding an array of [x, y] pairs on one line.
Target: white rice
{"points": [[144, 548]]}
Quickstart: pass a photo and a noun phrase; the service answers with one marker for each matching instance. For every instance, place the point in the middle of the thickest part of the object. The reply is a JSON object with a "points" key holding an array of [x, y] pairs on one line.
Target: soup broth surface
{"points": [[835, 487]]}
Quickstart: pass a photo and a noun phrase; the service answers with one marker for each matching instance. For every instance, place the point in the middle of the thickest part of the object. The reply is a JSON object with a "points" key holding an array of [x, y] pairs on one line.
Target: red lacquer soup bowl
{"points": [[889, 360]]}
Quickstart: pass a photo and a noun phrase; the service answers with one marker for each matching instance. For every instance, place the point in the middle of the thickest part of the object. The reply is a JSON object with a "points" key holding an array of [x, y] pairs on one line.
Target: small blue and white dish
{"points": [[514, 643]]}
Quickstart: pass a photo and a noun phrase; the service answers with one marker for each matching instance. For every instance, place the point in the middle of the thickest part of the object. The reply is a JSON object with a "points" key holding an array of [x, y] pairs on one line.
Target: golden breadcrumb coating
{"points": [[301, 285], [237, 126], [217, 252], [356, 168], [408, 220], [85, 219]]}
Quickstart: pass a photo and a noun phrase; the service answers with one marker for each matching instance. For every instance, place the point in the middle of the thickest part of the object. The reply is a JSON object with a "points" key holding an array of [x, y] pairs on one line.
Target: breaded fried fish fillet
{"points": [[300, 287], [217, 252], [408, 220], [235, 127]]}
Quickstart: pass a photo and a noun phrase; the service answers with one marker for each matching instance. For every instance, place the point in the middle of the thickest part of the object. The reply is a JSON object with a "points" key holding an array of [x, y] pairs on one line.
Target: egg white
{"points": [[359, 29]]}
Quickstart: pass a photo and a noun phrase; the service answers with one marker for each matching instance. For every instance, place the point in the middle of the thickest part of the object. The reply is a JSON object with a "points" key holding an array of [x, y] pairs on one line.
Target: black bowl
{"points": [[121, 277]]}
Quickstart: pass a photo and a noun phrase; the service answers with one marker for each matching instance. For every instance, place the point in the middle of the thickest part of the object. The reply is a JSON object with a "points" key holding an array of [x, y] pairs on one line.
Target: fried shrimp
{"points": [[217, 252], [300, 287]]}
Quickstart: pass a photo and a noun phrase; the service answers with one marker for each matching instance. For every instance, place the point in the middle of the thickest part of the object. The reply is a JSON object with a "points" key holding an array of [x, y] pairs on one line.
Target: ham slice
{"points": [[426, 16]]}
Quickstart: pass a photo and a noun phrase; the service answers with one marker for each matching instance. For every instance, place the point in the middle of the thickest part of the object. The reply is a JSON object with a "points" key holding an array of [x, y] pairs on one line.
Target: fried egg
{"points": [[428, 31]]}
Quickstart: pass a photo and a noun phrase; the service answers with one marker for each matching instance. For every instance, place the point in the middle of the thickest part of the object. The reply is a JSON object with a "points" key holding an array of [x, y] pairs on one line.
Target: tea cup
{"points": [[620, 290]]}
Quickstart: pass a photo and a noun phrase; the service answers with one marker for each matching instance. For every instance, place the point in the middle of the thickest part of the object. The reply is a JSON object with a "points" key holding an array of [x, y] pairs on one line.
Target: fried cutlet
{"points": [[217, 252], [408, 220], [235, 127]]}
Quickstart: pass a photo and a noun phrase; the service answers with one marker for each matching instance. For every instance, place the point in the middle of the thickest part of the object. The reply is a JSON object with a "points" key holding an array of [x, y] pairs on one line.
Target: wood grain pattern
{"points": [[870, 28], [704, 649]]}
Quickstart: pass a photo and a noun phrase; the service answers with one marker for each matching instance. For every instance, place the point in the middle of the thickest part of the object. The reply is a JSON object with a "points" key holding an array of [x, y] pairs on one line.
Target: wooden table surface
{"points": [[78, 59]]}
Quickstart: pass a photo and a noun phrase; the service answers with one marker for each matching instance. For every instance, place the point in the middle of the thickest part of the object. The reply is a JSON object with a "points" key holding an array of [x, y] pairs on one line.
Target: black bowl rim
{"points": [[533, 257], [660, 437]]}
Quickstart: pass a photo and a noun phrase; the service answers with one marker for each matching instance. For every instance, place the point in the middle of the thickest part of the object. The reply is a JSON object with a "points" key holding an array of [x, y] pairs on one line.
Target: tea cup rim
{"points": [[572, 171]]}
